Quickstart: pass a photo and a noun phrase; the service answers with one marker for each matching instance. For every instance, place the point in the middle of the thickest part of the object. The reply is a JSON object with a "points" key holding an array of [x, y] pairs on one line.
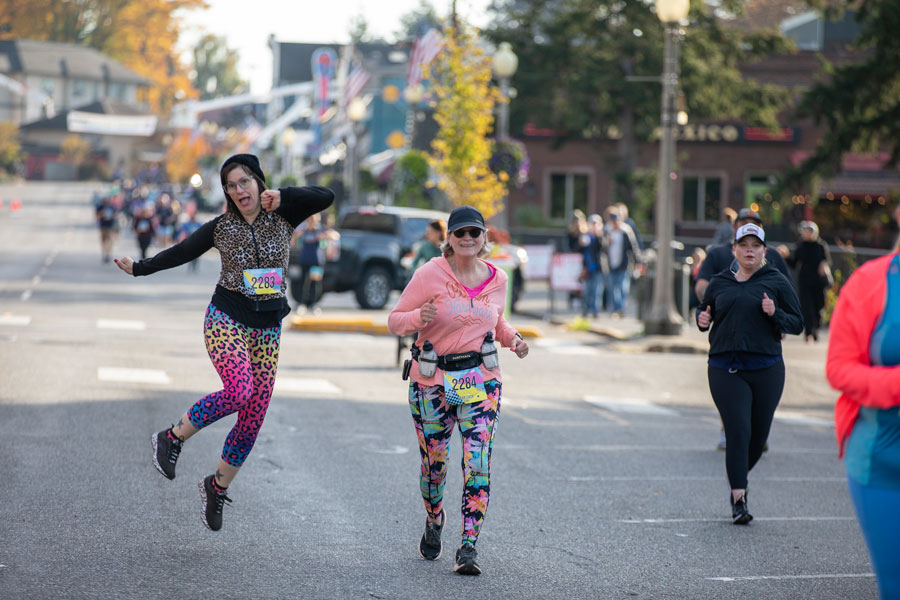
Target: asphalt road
{"points": [[606, 481]]}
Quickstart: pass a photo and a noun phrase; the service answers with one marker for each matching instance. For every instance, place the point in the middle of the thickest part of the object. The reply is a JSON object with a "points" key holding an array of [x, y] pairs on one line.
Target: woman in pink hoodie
{"points": [[454, 301]]}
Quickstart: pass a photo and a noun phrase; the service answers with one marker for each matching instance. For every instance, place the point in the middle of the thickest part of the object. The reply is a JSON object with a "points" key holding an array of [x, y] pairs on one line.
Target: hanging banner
{"points": [[324, 63], [100, 124]]}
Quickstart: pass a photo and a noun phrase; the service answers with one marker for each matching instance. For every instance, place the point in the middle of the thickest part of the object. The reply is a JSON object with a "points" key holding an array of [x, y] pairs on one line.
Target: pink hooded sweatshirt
{"points": [[461, 322]]}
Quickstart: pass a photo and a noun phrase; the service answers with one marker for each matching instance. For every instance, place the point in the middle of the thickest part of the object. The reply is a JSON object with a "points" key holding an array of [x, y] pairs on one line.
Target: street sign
{"points": [[565, 271]]}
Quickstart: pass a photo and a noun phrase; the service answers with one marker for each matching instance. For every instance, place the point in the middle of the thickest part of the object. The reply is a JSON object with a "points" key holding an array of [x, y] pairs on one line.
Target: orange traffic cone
{"points": [[15, 205]]}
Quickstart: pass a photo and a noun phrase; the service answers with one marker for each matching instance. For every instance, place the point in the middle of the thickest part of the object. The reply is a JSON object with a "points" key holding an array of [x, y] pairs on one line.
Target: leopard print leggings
{"points": [[246, 360]]}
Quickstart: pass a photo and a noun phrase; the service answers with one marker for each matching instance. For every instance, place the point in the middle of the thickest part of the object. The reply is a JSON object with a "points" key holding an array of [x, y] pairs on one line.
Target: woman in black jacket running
{"points": [[749, 310]]}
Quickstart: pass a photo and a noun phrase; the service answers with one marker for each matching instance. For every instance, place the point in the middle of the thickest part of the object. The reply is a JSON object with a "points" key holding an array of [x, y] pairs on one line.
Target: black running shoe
{"points": [[465, 561], [430, 546], [165, 452], [213, 502], [739, 513]]}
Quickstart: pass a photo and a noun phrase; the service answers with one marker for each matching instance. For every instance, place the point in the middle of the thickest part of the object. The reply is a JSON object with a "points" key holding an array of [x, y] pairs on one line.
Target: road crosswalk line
{"points": [[305, 386], [11, 319], [124, 375], [121, 324]]}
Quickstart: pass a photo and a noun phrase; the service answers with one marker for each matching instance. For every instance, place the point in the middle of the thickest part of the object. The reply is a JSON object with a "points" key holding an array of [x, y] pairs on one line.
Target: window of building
{"points": [[759, 191], [568, 191], [117, 91], [701, 199]]}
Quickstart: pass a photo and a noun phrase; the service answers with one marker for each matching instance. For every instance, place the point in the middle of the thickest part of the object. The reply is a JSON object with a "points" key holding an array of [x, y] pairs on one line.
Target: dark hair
{"points": [[230, 206], [439, 226]]}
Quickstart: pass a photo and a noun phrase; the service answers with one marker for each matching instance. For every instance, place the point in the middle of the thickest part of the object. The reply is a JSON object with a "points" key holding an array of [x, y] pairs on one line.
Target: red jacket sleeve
{"points": [[847, 366]]}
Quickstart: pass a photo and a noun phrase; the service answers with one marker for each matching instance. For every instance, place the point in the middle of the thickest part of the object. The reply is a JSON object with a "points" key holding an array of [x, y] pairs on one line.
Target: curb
{"points": [[366, 325]]}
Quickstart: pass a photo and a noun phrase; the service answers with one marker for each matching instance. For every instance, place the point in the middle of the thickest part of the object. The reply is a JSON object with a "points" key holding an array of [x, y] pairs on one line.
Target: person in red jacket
{"points": [[455, 302], [863, 363]]}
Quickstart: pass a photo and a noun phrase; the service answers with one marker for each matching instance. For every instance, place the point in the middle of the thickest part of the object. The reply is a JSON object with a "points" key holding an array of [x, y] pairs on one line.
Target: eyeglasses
{"points": [[243, 183], [473, 232]]}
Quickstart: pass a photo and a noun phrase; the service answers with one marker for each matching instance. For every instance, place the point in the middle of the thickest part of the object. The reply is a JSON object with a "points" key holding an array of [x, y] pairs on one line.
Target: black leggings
{"points": [[746, 401]]}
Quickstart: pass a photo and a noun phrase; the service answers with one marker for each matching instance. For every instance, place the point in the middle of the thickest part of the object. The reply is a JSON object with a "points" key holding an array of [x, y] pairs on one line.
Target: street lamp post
{"points": [[356, 112], [413, 95], [662, 318], [287, 144], [504, 64]]}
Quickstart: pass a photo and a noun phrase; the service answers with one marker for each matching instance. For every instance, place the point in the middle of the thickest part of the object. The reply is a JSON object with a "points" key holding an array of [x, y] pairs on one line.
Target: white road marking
{"points": [[574, 350], [799, 418], [650, 448], [305, 386], [11, 319], [626, 478], [391, 450], [123, 375], [783, 577], [630, 405], [121, 324], [655, 521]]}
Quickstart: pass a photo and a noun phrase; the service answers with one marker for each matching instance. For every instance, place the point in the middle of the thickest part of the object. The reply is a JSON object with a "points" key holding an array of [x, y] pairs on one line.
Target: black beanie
{"points": [[248, 160]]}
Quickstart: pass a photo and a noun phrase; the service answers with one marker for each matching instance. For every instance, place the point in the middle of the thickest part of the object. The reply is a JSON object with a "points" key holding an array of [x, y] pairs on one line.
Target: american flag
{"points": [[425, 48], [356, 80]]}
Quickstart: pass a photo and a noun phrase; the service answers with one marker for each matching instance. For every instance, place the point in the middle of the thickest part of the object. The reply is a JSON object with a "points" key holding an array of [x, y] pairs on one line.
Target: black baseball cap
{"points": [[749, 213], [465, 216]]}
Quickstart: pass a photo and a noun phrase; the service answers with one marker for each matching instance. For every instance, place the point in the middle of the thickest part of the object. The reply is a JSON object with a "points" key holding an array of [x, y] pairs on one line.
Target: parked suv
{"points": [[373, 241]]}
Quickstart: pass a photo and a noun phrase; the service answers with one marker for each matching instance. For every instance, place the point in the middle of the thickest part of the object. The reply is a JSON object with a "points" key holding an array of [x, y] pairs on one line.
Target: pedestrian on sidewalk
{"points": [[812, 259], [749, 310], [592, 277], [863, 363], [620, 253], [242, 327], [310, 236], [456, 305]]}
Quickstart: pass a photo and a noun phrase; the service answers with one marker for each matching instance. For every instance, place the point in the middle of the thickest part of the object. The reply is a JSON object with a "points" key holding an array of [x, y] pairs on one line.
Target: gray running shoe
{"points": [[430, 546], [165, 452]]}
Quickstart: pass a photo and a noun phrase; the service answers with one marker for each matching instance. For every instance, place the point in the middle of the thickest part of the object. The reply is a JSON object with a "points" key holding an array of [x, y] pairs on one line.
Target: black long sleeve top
{"points": [[264, 244], [739, 323]]}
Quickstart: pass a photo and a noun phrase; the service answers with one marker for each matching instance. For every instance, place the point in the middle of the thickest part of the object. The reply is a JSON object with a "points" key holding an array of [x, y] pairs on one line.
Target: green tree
{"points": [[857, 104], [215, 69], [578, 60], [464, 113], [409, 180], [10, 149], [412, 22]]}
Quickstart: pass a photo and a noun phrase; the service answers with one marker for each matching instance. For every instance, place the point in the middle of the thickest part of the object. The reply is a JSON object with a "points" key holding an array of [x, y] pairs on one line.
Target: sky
{"points": [[246, 25]]}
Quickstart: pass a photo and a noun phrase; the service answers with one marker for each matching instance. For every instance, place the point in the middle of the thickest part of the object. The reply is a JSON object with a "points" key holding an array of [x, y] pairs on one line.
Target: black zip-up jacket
{"points": [[739, 323], [263, 245]]}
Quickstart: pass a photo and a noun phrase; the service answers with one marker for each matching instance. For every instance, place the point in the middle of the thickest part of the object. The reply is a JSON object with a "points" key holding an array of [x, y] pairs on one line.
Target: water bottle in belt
{"points": [[428, 360], [489, 352]]}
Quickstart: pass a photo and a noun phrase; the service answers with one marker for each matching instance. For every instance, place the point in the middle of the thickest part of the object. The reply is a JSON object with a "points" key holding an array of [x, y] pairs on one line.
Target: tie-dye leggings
{"points": [[246, 360], [434, 420]]}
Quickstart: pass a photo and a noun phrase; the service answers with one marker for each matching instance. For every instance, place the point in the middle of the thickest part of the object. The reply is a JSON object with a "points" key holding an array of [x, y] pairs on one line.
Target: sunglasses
{"points": [[473, 232]]}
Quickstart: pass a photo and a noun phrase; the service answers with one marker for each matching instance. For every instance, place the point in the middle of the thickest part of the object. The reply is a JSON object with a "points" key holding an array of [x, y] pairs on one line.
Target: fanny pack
{"points": [[453, 362]]}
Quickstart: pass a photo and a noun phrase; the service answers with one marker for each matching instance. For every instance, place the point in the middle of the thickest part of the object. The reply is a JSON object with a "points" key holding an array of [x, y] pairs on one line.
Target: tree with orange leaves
{"points": [[141, 34]]}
